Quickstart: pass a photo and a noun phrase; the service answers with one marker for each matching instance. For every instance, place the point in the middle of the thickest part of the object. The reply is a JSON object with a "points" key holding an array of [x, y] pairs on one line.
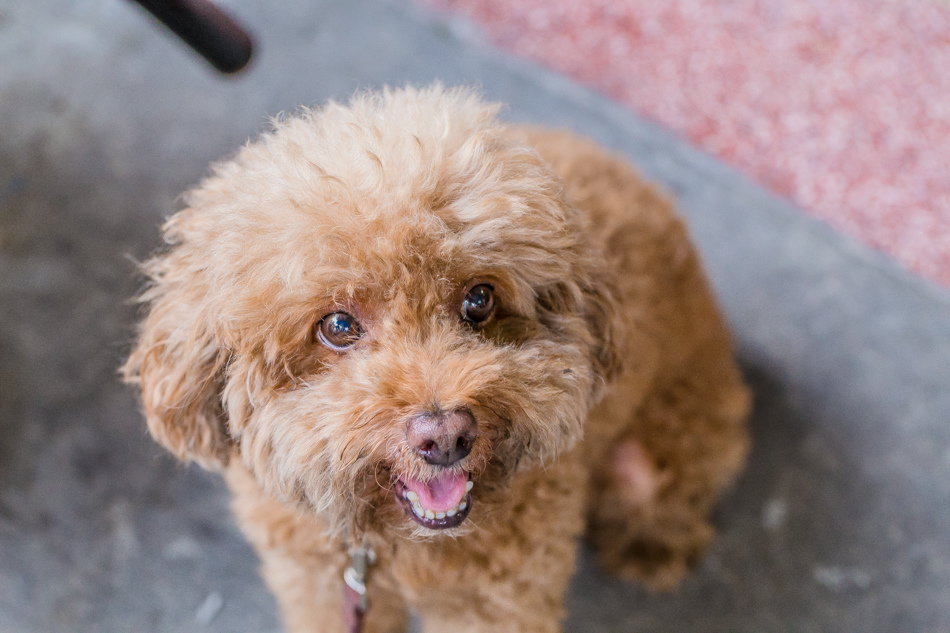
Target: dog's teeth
{"points": [[440, 515], [469, 485], [412, 496], [430, 514], [463, 505], [452, 512], [417, 508]]}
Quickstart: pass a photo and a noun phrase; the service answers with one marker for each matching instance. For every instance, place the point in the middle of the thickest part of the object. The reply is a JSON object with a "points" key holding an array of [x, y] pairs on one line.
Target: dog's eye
{"points": [[479, 304], [338, 331]]}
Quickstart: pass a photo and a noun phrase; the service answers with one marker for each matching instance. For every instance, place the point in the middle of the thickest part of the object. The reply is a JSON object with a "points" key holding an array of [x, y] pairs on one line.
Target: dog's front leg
{"points": [[303, 567], [510, 607], [309, 590], [510, 573]]}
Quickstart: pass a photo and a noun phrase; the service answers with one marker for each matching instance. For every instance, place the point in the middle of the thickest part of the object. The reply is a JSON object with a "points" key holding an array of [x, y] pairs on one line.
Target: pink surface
{"points": [[440, 494], [841, 105]]}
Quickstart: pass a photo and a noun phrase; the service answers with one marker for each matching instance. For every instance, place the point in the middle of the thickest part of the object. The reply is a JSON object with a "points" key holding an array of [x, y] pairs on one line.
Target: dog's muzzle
{"points": [[442, 440]]}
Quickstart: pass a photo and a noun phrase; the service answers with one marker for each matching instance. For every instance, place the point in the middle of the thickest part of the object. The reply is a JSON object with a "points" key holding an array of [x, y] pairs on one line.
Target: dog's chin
{"points": [[438, 504]]}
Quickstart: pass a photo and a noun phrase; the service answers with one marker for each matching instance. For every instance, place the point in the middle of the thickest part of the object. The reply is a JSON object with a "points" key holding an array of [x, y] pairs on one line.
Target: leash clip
{"points": [[355, 575]]}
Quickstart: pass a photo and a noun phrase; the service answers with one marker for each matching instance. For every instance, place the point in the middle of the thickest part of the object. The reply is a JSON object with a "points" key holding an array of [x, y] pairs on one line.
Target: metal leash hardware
{"points": [[354, 577]]}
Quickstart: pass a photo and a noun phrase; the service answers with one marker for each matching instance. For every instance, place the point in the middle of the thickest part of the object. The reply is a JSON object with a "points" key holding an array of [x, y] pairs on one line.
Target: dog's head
{"points": [[376, 307]]}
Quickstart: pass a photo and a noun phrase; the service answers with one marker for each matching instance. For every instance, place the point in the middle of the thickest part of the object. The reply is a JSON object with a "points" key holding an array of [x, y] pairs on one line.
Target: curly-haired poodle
{"points": [[427, 344]]}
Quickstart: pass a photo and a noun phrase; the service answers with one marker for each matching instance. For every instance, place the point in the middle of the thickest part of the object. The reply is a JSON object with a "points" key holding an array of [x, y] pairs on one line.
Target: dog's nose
{"points": [[442, 438]]}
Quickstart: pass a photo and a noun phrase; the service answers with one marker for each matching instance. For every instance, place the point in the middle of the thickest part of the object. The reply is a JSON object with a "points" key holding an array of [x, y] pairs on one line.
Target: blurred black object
{"points": [[207, 29]]}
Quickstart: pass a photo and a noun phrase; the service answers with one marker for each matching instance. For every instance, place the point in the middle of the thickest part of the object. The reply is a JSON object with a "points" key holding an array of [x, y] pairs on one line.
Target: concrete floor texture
{"points": [[840, 523]]}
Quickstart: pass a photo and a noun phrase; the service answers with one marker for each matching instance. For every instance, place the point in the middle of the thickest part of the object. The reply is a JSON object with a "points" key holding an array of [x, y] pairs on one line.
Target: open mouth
{"points": [[439, 503]]}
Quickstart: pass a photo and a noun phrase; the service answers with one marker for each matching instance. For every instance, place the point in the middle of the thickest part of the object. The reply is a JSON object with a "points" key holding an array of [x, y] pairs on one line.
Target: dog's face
{"points": [[383, 310]]}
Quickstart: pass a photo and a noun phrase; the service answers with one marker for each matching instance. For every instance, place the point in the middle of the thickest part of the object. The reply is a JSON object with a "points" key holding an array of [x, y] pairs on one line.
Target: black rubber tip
{"points": [[211, 32]]}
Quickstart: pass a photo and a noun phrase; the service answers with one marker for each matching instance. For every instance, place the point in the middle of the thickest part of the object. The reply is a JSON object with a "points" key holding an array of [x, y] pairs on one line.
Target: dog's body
{"points": [[405, 298]]}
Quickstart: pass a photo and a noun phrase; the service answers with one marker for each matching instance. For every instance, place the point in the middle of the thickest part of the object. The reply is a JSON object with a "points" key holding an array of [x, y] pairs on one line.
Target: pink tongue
{"points": [[439, 494]]}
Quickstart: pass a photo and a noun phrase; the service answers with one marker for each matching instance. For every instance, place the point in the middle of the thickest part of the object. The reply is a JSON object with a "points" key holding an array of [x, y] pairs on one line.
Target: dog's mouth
{"points": [[439, 503]]}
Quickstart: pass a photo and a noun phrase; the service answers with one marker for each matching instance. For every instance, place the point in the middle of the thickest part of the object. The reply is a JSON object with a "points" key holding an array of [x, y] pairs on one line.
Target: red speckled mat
{"points": [[841, 105]]}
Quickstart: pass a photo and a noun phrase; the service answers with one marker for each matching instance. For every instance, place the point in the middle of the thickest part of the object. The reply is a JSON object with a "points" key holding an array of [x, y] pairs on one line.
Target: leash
{"points": [[355, 602]]}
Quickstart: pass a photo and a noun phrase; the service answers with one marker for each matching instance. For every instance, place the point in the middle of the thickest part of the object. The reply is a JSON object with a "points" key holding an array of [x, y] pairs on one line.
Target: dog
{"points": [[429, 352]]}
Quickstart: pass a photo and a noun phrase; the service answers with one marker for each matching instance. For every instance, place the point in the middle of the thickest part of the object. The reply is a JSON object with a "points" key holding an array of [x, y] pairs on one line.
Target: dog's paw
{"points": [[660, 563]]}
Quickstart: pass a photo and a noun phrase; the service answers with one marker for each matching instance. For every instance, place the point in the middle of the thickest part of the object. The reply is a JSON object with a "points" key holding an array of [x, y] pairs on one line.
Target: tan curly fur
{"points": [[603, 387]]}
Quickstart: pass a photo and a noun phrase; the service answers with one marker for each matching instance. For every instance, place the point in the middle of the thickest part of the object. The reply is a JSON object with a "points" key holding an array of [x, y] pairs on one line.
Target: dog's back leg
{"points": [[654, 485]]}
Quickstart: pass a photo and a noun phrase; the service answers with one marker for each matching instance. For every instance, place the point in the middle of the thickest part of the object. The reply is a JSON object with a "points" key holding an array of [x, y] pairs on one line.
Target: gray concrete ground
{"points": [[841, 523]]}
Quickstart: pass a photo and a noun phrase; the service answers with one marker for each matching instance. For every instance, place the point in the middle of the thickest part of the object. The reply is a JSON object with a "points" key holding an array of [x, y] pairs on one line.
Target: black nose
{"points": [[442, 438]]}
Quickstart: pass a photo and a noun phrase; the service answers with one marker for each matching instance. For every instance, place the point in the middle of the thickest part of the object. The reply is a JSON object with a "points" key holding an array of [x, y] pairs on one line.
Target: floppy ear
{"points": [[602, 313], [599, 325], [179, 365]]}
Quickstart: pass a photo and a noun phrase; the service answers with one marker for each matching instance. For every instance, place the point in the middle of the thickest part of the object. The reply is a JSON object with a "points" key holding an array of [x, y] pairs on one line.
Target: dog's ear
{"points": [[179, 365], [602, 314], [599, 326]]}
